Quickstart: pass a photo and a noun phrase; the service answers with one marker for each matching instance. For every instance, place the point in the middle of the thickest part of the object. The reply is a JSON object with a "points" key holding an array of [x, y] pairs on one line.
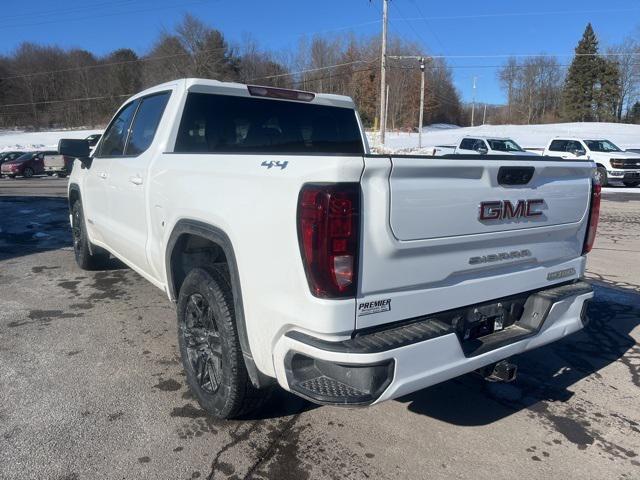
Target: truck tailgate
{"points": [[446, 232]]}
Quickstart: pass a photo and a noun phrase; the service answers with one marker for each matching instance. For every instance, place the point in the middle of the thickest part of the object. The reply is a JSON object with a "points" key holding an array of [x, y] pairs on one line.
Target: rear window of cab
{"points": [[232, 124]]}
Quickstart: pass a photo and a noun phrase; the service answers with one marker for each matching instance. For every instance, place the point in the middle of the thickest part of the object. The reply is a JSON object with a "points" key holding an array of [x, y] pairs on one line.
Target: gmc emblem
{"points": [[504, 209]]}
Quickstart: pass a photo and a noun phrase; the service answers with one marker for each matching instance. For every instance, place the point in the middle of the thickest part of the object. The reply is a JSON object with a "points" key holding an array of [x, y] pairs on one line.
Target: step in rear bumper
{"points": [[404, 358]]}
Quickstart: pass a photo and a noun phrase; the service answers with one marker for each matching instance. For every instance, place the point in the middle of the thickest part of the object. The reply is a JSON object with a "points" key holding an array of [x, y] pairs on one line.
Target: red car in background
{"points": [[26, 165]]}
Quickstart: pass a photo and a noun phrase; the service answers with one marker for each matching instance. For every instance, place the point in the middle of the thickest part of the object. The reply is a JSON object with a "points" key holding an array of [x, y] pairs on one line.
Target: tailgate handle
{"points": [[515, 175]]}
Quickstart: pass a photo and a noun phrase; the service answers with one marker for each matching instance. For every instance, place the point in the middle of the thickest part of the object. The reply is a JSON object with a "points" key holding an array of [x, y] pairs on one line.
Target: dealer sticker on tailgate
{"points": [[376, 306]]}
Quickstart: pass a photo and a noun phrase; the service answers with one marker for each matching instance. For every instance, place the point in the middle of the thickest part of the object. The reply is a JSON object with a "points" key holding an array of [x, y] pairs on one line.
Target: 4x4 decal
{"points": [[270, 164]]}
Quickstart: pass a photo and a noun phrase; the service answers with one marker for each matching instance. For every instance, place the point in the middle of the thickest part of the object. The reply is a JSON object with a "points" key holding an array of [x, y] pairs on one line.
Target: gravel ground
{"points": [[91, 385]]}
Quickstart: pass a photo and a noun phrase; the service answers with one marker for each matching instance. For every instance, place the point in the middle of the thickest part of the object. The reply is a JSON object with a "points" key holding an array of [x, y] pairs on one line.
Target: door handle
{"points": [[102, 175], [137, 180]]}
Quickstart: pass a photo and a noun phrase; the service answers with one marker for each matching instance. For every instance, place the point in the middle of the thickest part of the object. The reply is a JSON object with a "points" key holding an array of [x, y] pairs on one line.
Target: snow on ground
{"points": [[635, 190], [528, 136], [26, 141]]}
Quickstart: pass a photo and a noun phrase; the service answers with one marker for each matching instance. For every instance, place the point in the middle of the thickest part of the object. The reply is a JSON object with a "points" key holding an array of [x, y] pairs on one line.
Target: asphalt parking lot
{"points": [[91, 385]]}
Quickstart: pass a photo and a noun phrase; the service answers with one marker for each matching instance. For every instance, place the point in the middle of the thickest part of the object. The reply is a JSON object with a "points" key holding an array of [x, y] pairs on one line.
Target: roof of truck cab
{"points": [[485, 137], [202, 85], [581, 139]]}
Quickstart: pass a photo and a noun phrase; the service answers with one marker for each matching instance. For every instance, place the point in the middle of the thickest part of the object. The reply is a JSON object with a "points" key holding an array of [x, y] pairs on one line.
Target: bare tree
{"points": [[625, 56]]}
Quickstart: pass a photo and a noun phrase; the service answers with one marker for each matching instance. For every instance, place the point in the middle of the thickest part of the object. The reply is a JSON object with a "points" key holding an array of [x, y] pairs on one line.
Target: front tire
{"points": [[210, 347], [601, 176], [27, 172], [81, 248]]}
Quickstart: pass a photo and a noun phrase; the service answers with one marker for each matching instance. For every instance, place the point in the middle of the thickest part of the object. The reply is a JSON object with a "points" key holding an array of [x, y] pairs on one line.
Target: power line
{"points": [[544, 55], [524, 14], [69, 10], [415, 32], [48, 102], [112, 14], [310, 70], [110, 64], [431, 29], [253, 79]]}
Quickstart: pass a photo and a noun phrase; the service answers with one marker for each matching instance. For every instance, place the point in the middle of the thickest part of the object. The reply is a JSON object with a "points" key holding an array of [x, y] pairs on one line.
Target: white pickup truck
{"points": [[484, 146], [298, 258], [614, 166]]}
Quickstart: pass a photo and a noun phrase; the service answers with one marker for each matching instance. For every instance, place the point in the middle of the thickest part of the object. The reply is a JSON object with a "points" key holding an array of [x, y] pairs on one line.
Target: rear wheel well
{"points": [[197, 244], [191, 251]]}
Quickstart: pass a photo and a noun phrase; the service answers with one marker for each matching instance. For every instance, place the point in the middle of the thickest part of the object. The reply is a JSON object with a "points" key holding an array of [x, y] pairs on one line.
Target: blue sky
{"points": [[453, 28]]}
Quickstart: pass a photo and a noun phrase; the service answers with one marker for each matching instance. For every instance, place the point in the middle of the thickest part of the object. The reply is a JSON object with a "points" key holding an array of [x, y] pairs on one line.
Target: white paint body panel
{"points": [[421, 266]]}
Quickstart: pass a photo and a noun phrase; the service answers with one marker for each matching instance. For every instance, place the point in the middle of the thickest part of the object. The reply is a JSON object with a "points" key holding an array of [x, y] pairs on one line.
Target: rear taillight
{"points": [[594, 216], [328, 232]]}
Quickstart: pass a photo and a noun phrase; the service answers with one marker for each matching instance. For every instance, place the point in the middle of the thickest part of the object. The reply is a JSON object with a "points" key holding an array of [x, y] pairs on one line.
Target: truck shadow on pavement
{"points": [[30, 225], [33, 224], [545, 375]]}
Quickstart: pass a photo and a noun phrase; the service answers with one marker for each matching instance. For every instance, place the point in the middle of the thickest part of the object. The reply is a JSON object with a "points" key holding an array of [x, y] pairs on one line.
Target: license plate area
{"points": [[483, 320]]}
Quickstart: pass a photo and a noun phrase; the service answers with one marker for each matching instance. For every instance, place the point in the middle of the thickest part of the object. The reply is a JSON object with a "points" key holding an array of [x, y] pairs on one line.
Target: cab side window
{"points": [[558, 146], [479, 144], [115, 137], [572, 146], [467, 144], [146, 123]]}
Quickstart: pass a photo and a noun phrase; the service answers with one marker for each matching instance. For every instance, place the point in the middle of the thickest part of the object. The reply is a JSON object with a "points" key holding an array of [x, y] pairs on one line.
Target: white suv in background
{"points": [[615, 166]]}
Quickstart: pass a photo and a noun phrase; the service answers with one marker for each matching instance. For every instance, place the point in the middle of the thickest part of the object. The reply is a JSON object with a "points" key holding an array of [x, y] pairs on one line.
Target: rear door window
{"points": [[234, 124], [146, 122]]}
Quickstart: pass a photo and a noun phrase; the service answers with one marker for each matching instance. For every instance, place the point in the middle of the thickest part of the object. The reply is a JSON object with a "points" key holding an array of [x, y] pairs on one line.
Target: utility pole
{"points": [[473, 107], [484, 115], [421, 102], [383, 72]]}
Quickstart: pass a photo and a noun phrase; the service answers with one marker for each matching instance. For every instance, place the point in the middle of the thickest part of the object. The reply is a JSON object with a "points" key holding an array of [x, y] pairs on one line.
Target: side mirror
{"points": [[482, 150], [72, 147]]}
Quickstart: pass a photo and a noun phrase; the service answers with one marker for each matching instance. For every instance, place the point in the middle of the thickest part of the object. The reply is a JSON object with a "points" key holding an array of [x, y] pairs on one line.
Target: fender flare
{"points": [[73, 187], [220, 238]]}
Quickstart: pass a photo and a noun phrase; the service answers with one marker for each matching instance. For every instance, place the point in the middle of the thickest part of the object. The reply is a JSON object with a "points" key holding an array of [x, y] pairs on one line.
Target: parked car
{"points": [[298, 258], [27, 165], [8, 156], [490, 146], [614, 166], [54, 163]]}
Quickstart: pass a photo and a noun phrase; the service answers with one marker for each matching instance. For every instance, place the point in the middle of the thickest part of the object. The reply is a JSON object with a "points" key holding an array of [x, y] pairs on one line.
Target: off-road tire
{"points": [[235, 395], [85, 259]]}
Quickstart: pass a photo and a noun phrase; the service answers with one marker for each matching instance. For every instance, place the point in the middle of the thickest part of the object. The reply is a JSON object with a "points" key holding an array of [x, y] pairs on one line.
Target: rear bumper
{"points": [[390, 363]]}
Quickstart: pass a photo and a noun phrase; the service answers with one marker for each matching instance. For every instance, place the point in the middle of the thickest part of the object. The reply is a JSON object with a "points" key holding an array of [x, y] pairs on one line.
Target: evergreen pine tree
{"points": [[579, 94]]}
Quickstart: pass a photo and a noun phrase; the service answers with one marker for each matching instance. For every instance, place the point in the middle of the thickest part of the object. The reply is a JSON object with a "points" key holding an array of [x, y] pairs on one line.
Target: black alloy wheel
{"points": [[203, 343]]}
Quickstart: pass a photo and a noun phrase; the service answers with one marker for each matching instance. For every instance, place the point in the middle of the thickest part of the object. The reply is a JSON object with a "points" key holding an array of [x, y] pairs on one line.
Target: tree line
{"points": [[50, 87], [596, 87]]}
